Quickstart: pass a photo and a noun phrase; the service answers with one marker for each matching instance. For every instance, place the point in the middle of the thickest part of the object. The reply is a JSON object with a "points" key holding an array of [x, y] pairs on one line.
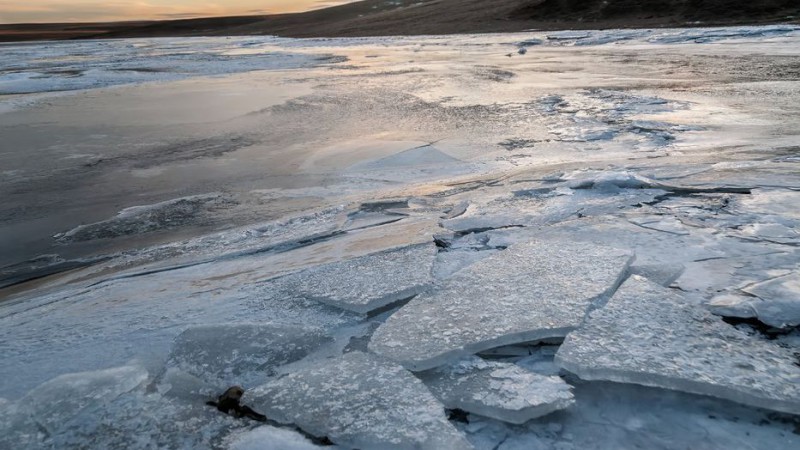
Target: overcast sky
{"points": [[15, 11]]}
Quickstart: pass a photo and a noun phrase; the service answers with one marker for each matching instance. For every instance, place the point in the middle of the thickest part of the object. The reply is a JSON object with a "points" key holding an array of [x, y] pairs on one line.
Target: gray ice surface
{"points": [[498, 390], [652, 336], [369, 282], [531, 291], [362, 401], [240, 353]]}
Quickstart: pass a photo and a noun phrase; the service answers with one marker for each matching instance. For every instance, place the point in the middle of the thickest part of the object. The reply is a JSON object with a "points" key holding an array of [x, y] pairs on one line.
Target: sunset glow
{"points": [[19, 11]]}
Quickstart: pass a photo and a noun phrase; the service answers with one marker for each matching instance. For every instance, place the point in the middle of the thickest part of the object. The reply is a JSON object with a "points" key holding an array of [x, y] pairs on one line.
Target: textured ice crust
{"points": [[650, 335], [233, 354], [531, 291], [360, 401], [369, 282], [501, 391]]}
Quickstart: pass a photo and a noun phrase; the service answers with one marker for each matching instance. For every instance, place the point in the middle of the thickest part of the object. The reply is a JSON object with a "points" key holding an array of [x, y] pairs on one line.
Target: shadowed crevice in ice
{"points": [[368, 282], [498, 390], [650, 335], [362, 401], [238, 354], [531, 291]]}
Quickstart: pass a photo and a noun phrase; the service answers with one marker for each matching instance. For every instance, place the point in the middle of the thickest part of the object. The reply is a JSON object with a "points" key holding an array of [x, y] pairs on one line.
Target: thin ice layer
{"points": [[531, 291], [369, 282], [233, 354], [498, 390], [360, 401], [778, 302], [652, 336]]}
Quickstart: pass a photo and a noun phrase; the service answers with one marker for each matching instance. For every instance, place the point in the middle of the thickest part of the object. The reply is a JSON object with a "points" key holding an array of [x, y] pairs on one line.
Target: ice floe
{"points": [[502, 391], [361, 401], [529, 292], [271, 438], [238, 354], [369, 282], [653, 336]]}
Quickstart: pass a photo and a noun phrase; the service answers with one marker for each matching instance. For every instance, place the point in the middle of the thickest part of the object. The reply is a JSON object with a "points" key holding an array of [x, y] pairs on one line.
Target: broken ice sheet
{"points": [[241, 353], [531, 291], [369, 282], [498, 390], [362, 401], [650, 335]]}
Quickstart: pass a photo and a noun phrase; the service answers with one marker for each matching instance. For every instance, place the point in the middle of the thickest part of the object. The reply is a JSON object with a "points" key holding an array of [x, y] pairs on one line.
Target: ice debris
{"points": [[362, 401], [663, 274], [652, 336], [369, 282], [502, 391], [236, 354], [531, 291]]}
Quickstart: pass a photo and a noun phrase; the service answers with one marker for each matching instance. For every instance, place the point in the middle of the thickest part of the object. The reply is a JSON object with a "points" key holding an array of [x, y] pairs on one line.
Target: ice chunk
{"points": [[778, 302], [732, 305], [369, 282], [45, 409], [653, 336], [663, 274], [359, 400], [531, 291], [501, 391], [271, 438], [241, 353]]}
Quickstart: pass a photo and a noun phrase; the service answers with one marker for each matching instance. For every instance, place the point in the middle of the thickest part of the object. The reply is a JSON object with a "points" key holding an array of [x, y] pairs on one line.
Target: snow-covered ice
{"points": [[653, 336], [531, 291], [501, 391], [369, 282], [362, 401], [226, 355]]}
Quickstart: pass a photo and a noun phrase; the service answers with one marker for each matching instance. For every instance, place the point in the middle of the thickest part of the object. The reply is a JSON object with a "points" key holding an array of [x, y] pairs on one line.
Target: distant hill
{"points": [[410, 17]]}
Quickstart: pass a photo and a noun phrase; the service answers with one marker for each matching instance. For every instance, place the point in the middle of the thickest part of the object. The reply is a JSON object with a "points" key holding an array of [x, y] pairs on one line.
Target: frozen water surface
{"points": [[369, 282], [236, 354], [501, 391], [531, 291], [649, 335], [362, 401]]}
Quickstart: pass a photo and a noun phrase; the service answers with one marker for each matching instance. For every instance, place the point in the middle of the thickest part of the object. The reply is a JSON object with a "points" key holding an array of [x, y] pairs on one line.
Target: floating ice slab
{"points": [[531, 291], [501, 391], [652, 336], [361, 401], [236, 354], [369, 282]]}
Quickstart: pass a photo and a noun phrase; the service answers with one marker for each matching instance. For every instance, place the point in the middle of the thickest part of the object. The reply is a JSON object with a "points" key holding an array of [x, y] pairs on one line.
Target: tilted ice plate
{"points": [[531, 291], [652, 336]]}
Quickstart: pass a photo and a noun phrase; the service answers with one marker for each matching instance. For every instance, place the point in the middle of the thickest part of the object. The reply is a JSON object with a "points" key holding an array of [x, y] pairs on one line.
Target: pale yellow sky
{"points": [[18, 11]]}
